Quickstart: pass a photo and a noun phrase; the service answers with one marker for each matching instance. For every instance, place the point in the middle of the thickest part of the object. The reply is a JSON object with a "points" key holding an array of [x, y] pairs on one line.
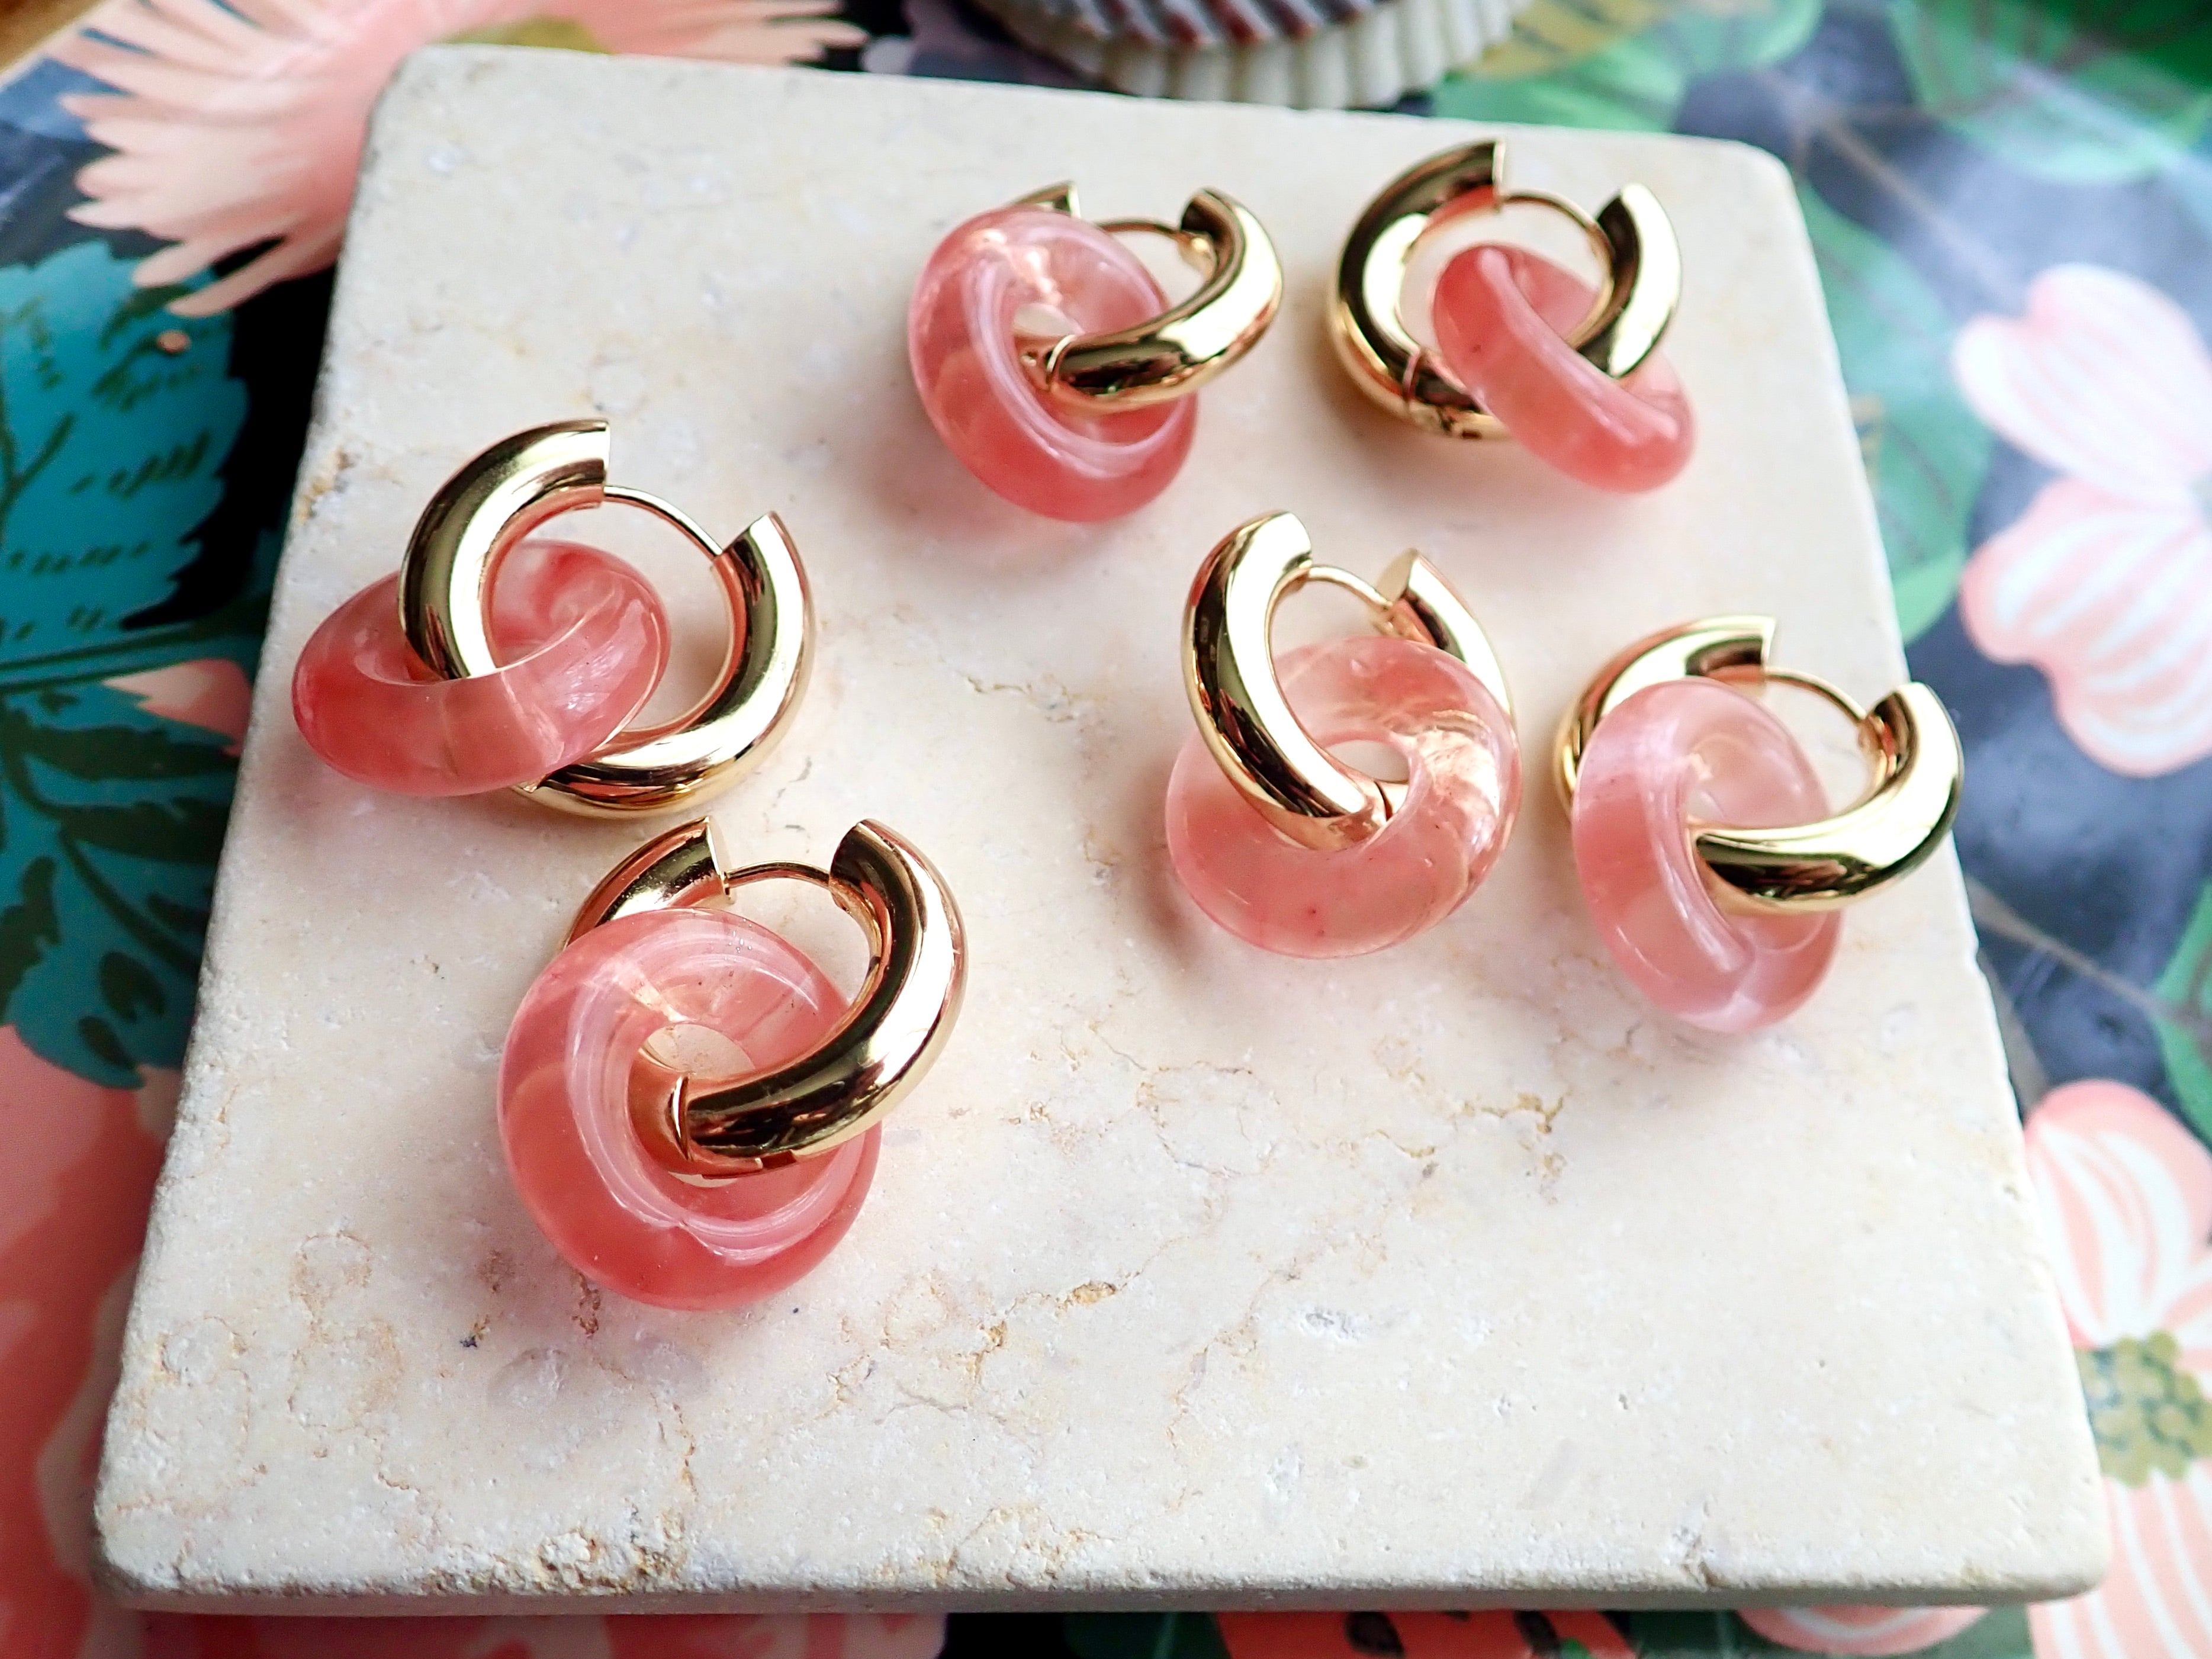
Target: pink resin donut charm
{"points": [[577, 1048], [583, 641], [1693, 752], [1501, 316], [1464, 765], [1037, 452]]}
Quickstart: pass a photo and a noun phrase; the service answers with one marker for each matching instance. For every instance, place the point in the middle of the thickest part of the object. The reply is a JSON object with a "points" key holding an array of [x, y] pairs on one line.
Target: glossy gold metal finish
{"points": [[1910, 745], [746, 709], [888, 1039], [1229, 673], [1711, 647], [677, 868], [496, 500], [1185, 346], [1640, 289]]}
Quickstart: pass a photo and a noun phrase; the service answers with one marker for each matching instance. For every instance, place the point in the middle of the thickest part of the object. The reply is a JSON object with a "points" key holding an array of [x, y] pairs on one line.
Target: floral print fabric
{"points": [[2010, 205], [2105, 581]]}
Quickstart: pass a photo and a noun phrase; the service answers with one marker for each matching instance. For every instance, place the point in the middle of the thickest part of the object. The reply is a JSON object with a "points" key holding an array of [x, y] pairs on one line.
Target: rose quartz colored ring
{"points": [[1689, 752], [1502, 317], [1071, 277], [582, 641], [1463, 763], [577, 1053]]}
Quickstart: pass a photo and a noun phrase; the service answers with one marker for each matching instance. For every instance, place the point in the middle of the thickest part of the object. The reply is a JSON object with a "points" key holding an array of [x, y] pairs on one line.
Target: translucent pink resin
{"points": [[1463, 764], [1695, 751], [582, 639], [1063, 276], [577, 1050], [1501, 318]]}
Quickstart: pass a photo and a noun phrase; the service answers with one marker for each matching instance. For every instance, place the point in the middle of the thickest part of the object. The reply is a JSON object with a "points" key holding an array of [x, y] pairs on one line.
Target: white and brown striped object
{"points": [[1310, 54]]}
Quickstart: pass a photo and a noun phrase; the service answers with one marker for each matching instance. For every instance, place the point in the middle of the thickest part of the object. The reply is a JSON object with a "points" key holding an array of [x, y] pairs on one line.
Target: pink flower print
{"points": [[1487, 1635], [646, 1636], [238, 123], [2105, 581], [209, 692], [1860, 1631], [2126, 1197], [815, 1636], [80, 1161]]}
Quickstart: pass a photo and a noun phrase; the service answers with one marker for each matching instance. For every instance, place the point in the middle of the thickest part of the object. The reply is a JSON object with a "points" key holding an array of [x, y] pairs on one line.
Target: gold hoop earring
{"points": [[1173, 354], [908, 997], [1636, 299], [1910, 800], [1275, 838], [480, 514], [693, 1179], [1302, 791], [1016, 338]]}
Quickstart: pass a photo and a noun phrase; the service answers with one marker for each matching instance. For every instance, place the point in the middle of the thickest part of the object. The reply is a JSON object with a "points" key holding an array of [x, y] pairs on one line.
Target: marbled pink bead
{"points": [[1075, 278], [582, 640], [1694, 751], [1501, 315], [575, 1053], [1463, 763]]}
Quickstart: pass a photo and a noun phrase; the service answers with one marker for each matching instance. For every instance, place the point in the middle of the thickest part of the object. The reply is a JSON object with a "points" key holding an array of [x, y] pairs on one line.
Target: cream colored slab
{"points": [[1192, 1276]]}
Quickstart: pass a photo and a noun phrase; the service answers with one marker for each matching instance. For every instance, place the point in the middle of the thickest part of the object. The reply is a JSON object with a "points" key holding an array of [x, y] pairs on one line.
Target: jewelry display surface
{"points": [[1195, 1275]]}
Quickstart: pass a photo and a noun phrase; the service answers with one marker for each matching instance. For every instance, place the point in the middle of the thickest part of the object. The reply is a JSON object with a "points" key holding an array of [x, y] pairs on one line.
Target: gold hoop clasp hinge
{"points": [[1919, 768], [1229, 672], [1185, 346], [888, 1039], [1640, 286], [495, 501]]}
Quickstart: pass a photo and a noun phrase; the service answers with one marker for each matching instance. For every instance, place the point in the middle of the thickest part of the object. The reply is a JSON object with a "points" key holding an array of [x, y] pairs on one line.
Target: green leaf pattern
{"points": [[115, 417], [2184, 1025], [1925, 452], [1623, 64], [2074, 91]]}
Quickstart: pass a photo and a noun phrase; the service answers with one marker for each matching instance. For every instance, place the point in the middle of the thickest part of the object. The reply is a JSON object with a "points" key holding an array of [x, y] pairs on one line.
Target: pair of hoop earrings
{"points": [[1051, 364], [1702, 837], [689, 1107]]}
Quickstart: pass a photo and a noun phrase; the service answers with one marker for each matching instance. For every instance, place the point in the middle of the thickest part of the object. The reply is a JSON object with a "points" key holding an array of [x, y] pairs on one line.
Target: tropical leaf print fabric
{"points": [[114, 418], [2011, 204]]}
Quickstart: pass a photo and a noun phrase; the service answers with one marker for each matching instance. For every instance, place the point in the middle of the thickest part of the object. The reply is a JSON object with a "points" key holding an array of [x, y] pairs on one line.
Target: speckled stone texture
{"points": [[1194, 1275]]}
